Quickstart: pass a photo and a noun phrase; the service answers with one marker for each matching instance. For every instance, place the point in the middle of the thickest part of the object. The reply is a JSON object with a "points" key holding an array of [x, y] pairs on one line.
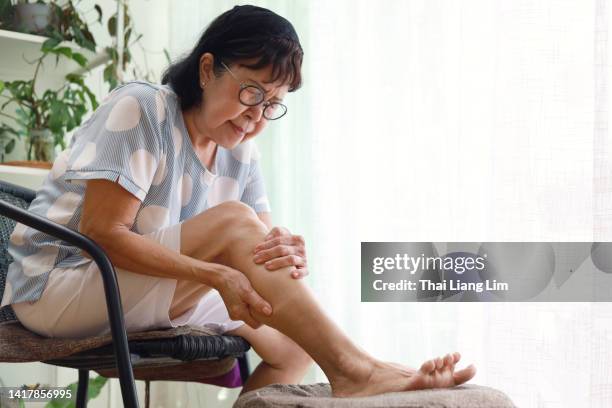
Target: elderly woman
{"points": [[167, 180]]}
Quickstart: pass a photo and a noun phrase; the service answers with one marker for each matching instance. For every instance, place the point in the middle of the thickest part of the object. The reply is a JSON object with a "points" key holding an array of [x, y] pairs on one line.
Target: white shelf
{"points": [[17, 36], [23, 176], [19, 48]]}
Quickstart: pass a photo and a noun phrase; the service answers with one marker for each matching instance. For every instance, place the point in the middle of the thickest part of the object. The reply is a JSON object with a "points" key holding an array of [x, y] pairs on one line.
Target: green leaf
{"points": [[127, 57], [49, 44], [126, 36], [92, 98], [93, 390], [95, 386], [1, 86], [9, 146], [112, 25], [81, 39], [56, 118], [167, 54], [66, 51], [5, 9], [5, 129], [79, 58], [109, 72], [99, 10]]}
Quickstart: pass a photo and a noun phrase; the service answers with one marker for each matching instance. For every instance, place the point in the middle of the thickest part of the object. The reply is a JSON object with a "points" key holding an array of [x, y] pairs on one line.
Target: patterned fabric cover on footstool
{"points": [[319, 395]]}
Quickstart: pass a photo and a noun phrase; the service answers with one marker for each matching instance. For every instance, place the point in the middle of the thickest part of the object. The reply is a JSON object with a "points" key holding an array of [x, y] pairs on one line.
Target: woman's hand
{"points": [[240, 298], [279, 249]]}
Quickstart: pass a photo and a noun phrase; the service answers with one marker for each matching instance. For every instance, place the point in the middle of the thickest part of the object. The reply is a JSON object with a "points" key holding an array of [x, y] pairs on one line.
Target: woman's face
{"points": [[221, 116]]}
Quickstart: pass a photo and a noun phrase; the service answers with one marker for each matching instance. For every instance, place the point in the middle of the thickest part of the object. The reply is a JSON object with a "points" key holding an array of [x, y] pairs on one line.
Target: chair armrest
{"points": [[15, 190], [111, 288]]}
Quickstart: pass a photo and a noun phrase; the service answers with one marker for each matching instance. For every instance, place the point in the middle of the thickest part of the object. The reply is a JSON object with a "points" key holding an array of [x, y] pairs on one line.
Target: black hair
{"points": [[240, 34]]}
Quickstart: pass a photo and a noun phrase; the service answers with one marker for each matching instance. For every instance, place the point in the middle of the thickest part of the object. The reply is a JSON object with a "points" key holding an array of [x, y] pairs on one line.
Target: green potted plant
{"points": [[45, 117]]}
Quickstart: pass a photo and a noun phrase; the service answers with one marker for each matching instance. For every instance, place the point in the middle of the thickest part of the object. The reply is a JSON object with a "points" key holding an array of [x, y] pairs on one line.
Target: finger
{"points": [[274, 241], [277, 231], [276, 252], [249, 319], [289, 260], [274, 232], [298, 240], [258, 303]]}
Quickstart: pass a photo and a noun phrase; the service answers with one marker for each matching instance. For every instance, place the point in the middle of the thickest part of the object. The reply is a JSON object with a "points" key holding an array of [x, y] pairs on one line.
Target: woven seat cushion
{"points": [[319, 395], [18, 344], [6, 227]]}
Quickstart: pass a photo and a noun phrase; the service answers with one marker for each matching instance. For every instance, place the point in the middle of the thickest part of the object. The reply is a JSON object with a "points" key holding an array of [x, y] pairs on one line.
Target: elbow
{"points": [[101, 235]]}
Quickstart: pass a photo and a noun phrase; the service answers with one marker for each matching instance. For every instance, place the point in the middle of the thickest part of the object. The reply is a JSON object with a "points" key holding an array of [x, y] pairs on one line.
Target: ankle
{"points": [[356, 367]]}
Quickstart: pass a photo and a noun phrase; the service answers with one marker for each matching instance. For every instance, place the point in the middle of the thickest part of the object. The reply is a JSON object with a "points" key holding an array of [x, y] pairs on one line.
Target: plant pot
{"points": [[33, 17], [41, 145], [29, 163]]}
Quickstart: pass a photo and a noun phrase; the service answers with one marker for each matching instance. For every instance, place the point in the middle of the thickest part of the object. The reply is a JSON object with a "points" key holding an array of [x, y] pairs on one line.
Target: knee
{"points": [[236, 216], [234, 220], [234, 212]]}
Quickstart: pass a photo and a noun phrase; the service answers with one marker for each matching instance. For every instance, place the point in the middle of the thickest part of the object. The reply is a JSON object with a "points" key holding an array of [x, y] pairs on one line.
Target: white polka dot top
{"points": [[137, 138]]}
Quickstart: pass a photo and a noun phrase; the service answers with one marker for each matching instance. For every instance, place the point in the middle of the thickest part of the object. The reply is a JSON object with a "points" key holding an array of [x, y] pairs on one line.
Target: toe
{"points": [[464, 375], [456, 356], [428, 366], [439, 363]]}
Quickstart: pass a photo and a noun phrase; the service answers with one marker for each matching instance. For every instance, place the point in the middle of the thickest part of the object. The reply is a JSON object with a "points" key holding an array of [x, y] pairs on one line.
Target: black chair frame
{"points": [[113, 301]]}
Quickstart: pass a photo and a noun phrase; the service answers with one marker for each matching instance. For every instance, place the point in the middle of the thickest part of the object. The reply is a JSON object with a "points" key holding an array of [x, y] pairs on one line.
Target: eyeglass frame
{"points": [[244, 85]]}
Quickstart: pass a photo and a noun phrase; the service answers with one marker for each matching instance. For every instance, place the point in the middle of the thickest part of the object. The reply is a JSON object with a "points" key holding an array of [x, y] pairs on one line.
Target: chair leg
{"points": [[81, 401], [245, 370], [147, 392]]}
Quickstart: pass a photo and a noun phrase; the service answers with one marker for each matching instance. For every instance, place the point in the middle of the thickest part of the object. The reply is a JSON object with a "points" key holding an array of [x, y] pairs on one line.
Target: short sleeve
{"points": [[122, 140], [254, 193]]}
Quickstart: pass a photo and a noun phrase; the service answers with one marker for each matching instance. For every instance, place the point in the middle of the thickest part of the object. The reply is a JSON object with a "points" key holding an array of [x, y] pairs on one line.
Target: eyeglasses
{"points": [[251, 95]]}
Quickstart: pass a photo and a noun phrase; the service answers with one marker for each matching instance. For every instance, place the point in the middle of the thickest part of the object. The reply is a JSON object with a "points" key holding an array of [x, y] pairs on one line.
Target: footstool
{"points": [[319, 395]]}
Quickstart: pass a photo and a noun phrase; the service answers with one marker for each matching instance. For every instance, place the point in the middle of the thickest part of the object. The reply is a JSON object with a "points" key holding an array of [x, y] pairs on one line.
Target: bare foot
{"points": [[378, 377]]}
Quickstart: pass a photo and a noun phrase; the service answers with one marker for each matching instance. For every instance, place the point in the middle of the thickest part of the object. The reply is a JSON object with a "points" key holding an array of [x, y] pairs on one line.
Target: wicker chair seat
{"points": [[186, 343]]}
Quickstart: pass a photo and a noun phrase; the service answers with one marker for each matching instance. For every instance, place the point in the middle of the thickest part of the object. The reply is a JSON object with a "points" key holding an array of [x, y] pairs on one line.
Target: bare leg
{"points": [[228, 233], [284, 362]]}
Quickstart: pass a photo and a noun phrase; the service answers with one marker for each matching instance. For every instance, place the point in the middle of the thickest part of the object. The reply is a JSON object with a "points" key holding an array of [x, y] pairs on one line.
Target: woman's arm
{"points": [[108, 214]]}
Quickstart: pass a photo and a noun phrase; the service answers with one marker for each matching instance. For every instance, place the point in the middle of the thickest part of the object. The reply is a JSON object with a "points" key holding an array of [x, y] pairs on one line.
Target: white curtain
{"points": [[444, 121]]}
